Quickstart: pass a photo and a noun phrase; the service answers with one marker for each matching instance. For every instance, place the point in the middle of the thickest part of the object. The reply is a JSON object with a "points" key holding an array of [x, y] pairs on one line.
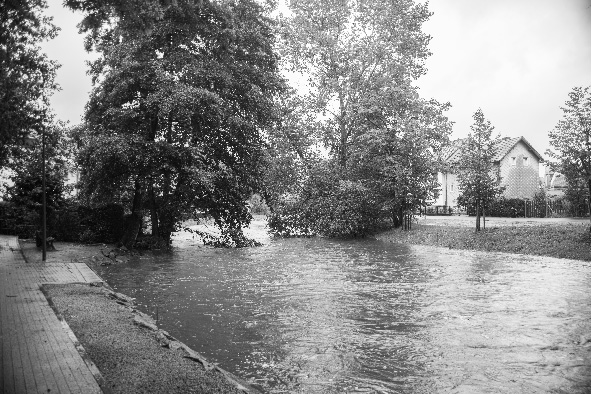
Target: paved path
{"points": [[37, 354]]}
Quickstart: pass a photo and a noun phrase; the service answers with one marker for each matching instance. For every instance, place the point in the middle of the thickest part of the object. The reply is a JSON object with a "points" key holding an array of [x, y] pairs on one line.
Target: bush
{"points": [[71, 223], [88, 237], [515, 207], [329, 207], [17, 220]]}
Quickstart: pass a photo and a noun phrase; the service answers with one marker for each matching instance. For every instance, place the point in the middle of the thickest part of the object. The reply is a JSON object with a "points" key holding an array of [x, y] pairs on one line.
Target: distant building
{"points": [[555, 183], [516, 162]]}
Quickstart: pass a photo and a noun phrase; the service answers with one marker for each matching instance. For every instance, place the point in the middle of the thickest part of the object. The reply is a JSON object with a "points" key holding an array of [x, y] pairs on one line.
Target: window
{"points": [[514, 161], [525, 161]]}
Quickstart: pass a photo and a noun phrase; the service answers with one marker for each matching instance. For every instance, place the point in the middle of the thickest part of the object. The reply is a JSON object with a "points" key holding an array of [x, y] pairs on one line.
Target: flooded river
{"points": [[328, 316]]}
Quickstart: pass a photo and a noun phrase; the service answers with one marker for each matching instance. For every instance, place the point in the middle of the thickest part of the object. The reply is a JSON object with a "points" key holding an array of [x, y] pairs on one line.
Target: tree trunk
{"points": [[483, 217], [477, 215], [133, 223], [153, 210], [589, 202], [342, 132]]}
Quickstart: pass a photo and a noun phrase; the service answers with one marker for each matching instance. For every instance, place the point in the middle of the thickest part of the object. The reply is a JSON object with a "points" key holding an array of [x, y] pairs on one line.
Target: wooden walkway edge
{"points": [[37, 352]]}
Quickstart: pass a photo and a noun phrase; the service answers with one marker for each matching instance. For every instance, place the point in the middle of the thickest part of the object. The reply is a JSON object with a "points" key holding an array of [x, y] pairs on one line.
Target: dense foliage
{"points": [[357, 146], [183, 92], [478, 179], [571, 140], [26, 75], [25, 191]]}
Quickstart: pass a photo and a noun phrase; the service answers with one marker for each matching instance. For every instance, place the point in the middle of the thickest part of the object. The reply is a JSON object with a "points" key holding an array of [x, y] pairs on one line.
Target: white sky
{"points": [[515, 59]]}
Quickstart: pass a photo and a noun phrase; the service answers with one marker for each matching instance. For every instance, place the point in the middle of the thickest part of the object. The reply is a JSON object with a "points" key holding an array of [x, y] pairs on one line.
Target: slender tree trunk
{"points": [[589, 202], [153, 210], [134, 221], [477, 215], [342, 132]]}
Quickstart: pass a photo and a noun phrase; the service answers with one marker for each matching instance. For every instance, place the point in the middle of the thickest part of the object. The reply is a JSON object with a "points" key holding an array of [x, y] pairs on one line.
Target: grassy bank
{"points": [[570, 241]]}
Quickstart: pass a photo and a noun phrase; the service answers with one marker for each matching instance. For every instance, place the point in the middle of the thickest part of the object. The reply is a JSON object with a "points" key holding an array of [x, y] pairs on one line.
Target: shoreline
{"points": [[83, 305], [99, 317], [560, 238]]}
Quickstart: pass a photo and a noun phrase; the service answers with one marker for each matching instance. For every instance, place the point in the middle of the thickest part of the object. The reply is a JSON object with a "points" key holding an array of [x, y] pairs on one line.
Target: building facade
{"points": [[516, 162]]}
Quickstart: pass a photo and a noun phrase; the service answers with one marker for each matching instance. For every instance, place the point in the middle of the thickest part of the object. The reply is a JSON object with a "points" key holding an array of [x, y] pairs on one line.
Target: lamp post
{"points": [[44, 201]]}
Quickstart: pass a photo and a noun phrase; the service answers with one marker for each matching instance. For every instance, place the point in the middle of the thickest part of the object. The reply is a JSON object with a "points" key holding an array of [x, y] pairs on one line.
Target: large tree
{"points": [[478, 177], [360, 133], [183, 92], [571, 138], [26, 74], [358, 58]]}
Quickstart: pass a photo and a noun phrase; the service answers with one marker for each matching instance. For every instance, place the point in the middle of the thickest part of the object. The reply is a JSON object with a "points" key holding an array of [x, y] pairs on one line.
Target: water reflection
{"points": [[325, 316]]}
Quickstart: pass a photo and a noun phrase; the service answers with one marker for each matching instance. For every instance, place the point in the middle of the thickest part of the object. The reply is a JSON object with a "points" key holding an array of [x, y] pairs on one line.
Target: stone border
{"points": [[163, 337]]}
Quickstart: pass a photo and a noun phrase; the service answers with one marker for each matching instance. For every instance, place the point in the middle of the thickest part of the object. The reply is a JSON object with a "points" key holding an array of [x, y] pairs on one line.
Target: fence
{"points": [[529, 208]]}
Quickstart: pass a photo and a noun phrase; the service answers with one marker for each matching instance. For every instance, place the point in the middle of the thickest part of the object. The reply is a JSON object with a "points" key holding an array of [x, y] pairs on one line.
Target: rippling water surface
{"points": [[327, 316]]}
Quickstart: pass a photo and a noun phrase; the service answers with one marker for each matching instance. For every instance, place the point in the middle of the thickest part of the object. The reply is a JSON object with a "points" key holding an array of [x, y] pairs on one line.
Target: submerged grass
{"points": [[570, 241]]}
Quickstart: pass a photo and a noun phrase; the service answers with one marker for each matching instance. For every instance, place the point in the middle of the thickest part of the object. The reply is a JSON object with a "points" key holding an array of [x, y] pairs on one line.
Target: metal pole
{"points": [[44, 211]]}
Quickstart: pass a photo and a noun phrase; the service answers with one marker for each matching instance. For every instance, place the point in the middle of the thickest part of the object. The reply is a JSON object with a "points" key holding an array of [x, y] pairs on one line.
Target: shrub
{"points": [[88, 237], [329, 207], [72, 222], [515, 207]]}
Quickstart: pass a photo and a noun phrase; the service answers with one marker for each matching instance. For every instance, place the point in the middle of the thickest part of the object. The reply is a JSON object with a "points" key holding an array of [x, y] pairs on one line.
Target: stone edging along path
{"points": [[168, 341]]}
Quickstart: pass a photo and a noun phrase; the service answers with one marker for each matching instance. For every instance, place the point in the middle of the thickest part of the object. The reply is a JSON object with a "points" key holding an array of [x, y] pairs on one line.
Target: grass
{"points": [[570, 241]]}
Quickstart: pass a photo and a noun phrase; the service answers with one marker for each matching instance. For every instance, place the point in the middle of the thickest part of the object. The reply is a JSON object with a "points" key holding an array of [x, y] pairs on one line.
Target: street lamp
{"points": [[44, 203]]}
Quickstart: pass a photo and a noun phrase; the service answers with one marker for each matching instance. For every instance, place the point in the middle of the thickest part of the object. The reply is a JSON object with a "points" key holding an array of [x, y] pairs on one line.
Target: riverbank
{"points": [[126, 346], [568, 240]]}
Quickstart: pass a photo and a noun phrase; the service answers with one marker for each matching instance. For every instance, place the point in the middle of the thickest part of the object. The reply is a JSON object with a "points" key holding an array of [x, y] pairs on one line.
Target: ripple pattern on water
{"points": [[327, 316]]}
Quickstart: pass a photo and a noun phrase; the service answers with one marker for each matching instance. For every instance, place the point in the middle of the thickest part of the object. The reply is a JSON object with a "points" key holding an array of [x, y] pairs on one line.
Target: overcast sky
{"points": [[515, 59]]}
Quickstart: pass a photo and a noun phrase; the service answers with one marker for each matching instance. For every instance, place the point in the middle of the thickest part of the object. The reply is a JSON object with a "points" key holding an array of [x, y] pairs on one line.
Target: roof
{"points": [[451, 153], [506, 144]]}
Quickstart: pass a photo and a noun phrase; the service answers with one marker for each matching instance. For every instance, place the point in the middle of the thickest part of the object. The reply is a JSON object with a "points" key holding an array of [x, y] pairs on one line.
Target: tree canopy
{"points": [[183, 92], [359, 135], [571, 139], [26, 74], [478, 179]]}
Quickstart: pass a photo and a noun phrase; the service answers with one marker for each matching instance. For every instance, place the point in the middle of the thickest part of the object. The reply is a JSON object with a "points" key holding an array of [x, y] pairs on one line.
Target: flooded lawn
{"points": [[327, 316]]}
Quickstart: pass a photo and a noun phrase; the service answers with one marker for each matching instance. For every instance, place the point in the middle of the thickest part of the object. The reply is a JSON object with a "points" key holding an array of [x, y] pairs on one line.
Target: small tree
{"points": [[571, 138], [26, 191], [477, 178]]}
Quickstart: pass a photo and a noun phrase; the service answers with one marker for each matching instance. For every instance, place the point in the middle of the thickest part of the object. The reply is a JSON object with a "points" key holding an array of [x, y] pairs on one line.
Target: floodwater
{"points": [[328, 316]]}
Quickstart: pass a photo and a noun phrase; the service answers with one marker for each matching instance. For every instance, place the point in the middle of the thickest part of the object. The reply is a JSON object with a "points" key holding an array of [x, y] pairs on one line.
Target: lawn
{"points": [[570, 241]]}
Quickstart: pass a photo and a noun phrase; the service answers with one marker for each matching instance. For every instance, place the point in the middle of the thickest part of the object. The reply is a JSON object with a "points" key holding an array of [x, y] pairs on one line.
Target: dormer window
{"points": [[525, 161], [514, 161]]}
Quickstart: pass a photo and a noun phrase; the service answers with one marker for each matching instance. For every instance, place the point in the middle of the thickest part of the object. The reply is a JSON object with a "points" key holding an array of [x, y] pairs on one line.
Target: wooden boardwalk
{"points": [[37, 354]]}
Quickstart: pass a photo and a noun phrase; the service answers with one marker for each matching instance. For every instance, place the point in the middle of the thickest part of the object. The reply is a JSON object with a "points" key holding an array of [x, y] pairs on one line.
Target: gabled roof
{"points": [[451, 153], [506, 144]]}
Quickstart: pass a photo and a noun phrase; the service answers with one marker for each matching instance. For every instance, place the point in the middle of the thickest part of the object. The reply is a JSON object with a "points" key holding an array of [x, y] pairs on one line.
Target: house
{"points": [[516, 162]]}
